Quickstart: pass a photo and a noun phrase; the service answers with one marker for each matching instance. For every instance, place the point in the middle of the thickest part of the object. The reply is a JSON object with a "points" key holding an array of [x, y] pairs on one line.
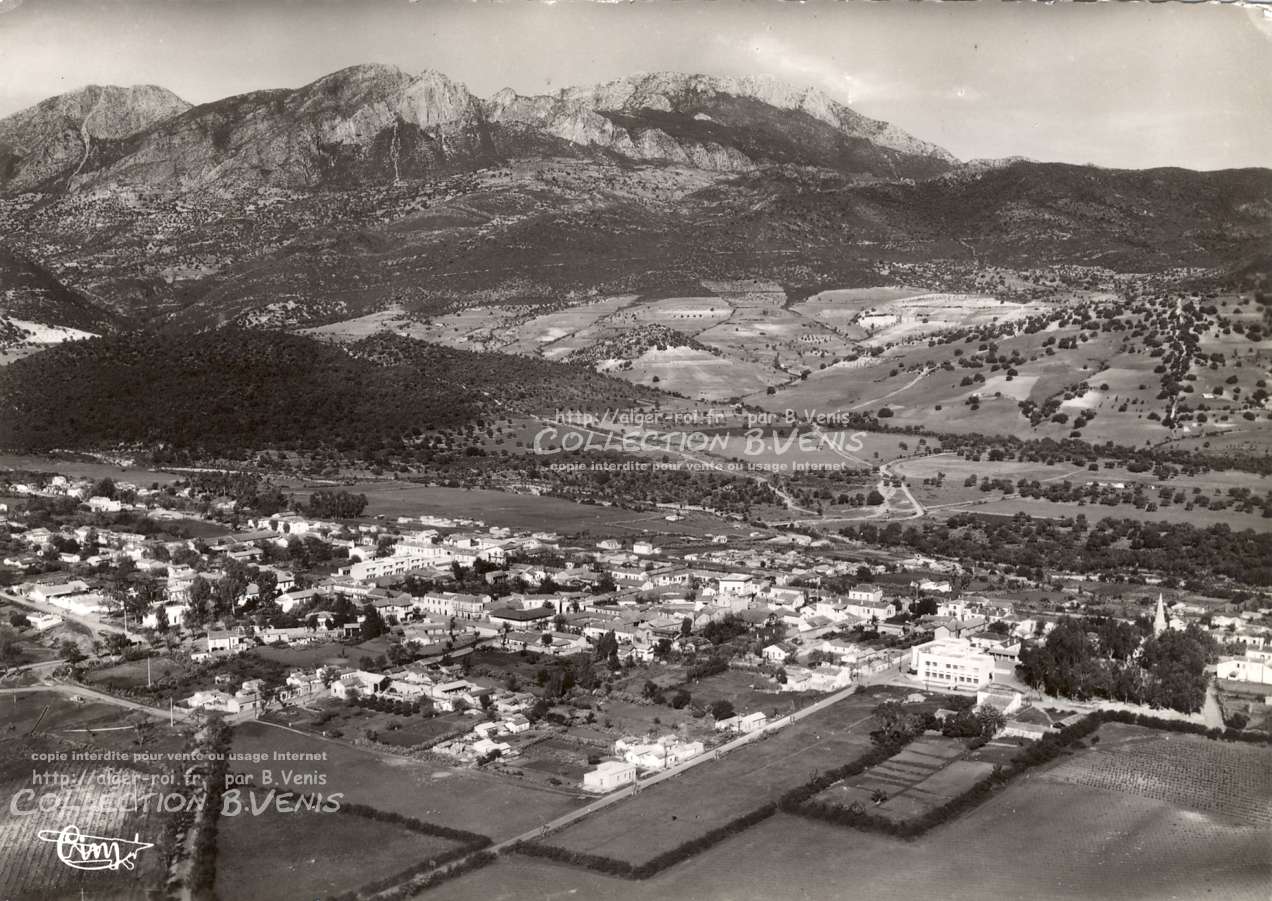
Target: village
{"points": [[584, 665]]}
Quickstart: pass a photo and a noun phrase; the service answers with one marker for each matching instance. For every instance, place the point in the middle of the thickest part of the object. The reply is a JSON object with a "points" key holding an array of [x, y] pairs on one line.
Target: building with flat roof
{"points": [[608, 776], [952, 663]]}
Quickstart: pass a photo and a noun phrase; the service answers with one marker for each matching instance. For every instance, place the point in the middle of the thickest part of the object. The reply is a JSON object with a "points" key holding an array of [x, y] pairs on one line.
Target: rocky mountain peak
{"points": [[53, 139]]}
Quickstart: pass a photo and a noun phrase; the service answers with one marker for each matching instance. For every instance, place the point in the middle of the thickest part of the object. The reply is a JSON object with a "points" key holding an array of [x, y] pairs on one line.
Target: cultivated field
{"points": [[1227, 780], [302, 856], [924, 775]]}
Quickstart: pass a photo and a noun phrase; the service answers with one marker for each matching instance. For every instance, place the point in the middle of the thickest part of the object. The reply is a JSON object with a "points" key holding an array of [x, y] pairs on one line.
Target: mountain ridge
{"points": [[375, 122]]}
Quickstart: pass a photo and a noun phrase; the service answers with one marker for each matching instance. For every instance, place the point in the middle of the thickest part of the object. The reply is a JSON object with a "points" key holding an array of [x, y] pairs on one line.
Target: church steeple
{"points": [[1159, 622]]}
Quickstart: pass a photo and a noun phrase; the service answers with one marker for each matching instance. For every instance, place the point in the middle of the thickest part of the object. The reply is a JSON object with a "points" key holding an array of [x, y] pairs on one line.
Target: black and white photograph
{"points": [[656, 450]]}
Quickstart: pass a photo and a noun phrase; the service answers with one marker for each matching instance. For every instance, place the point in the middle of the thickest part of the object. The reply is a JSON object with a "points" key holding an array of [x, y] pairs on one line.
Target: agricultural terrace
{"points": [[926, 774]]}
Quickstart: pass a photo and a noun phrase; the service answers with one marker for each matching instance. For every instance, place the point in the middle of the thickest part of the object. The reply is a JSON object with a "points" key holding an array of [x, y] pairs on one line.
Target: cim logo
{"points": [[94, 852]]}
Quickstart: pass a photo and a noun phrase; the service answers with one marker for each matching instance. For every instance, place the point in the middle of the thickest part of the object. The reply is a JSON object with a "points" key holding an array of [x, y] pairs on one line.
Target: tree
{"points": [[372, 623], [19, 620], [607, 646], [70, 652], [200, 597], [991, 721], [924, 607], [11, 653], [652, 692], [537, 711], [337, 504], [116, 643], [722, 709], [895, 722], [398, 654], [874, 498]]}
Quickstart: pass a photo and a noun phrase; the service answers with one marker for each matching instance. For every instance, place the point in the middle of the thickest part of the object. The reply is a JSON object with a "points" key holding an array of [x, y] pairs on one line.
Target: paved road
{"points": [[76, 690]]}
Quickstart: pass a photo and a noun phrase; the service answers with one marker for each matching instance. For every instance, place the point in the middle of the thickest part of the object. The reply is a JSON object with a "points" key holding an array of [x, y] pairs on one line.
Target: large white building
{"points": [[1256, 666], [952, 663], [379, 567]]}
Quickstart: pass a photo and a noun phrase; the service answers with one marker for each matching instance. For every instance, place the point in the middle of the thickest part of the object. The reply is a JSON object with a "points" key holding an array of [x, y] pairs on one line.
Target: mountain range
{"points": [[370, 123], [373, 188]]}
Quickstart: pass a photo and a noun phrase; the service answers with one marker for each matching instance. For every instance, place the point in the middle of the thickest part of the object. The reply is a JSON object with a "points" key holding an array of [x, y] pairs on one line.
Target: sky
{"points": [[1130, 85]]}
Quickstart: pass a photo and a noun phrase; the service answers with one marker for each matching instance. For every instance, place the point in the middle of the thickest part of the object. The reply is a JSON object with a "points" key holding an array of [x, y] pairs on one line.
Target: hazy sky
{"points": [[1117, 84]]}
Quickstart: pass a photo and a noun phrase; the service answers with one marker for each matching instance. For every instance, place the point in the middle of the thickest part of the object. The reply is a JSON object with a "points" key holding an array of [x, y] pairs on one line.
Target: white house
{"points": [[174, 614], [775, 653], [608, 776], [225, 641], [866, 594]]}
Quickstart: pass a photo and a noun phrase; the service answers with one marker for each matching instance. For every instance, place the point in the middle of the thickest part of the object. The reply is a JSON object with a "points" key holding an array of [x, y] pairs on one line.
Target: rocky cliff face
{"points": [[581, 123], [366, 123], [378, 124], [52, 140], [727, 124], [678, 92]]}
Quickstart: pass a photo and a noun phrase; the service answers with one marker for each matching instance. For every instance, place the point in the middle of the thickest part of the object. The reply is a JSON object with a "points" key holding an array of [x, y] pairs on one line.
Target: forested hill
{"points": [[237, 389]]}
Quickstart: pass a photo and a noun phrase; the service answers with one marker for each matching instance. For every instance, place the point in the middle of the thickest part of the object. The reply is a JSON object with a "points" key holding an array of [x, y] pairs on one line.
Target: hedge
{"points": [[473, 840], [202, 875], [1153, 722], [627, 870], [407, 889], [1044, 750], [816, 785], [468, 843]]}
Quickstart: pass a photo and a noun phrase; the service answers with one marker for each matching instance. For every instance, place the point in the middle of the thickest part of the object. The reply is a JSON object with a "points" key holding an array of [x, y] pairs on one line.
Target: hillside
{"points": [[30, 292], [235, 390], [45, 145]]}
